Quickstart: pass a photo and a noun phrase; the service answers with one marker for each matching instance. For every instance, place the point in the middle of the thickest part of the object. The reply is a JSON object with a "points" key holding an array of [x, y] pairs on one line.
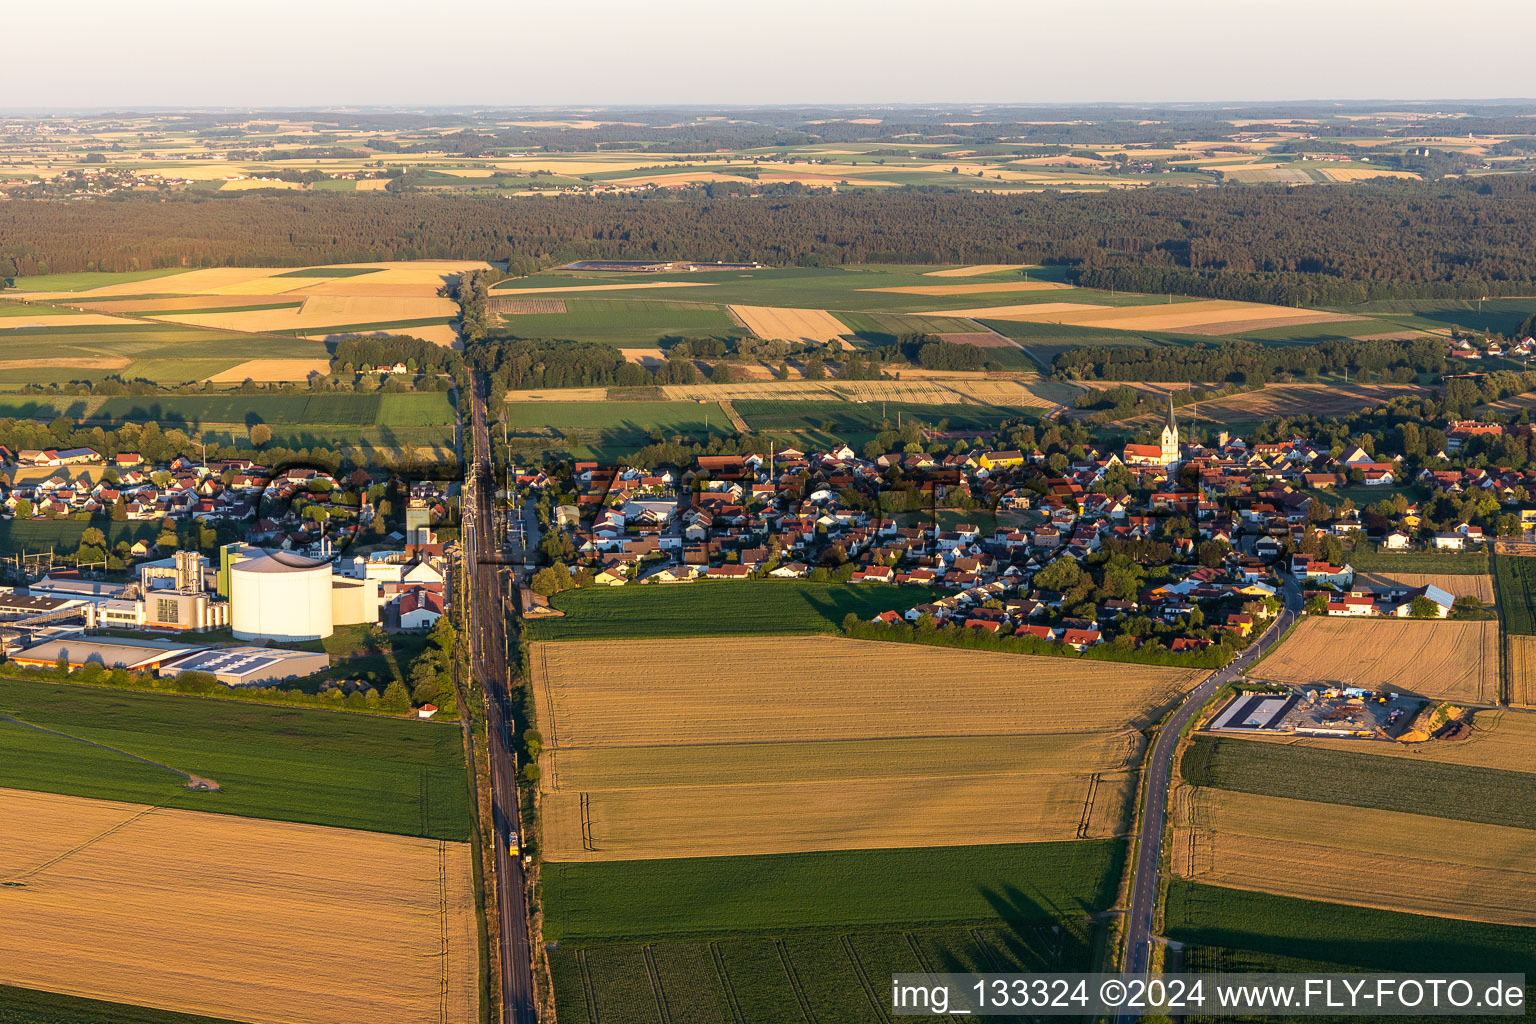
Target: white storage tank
{"points": [[278, 595]]}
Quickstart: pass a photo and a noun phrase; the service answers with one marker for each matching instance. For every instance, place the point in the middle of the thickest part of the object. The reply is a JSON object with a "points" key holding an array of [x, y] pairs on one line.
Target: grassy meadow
{"points": [[289, 764], [718, 608], [29, 1006]]}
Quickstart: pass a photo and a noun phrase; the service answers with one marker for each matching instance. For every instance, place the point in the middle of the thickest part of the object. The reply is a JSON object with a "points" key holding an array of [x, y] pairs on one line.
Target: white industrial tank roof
{"points": [[279, 595]]}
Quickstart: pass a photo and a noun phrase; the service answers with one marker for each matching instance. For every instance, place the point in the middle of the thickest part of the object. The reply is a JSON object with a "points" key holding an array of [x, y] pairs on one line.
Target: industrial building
{"points": [[79, 651], [173, 594], [283, 596], [250, 666]]}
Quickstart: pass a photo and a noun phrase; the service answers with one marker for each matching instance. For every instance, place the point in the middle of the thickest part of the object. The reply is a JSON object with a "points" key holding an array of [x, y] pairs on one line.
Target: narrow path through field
{"points": [[192, 780], [21, 877], [734, 416]]}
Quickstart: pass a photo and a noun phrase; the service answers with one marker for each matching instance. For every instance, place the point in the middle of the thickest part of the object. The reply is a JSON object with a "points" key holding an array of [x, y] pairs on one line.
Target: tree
{"points": [[1062, 574], [1423, 608], [396, 698], [261, 435]]}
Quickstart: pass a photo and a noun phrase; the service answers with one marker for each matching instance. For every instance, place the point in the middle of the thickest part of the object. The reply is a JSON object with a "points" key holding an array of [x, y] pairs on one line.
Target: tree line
{"points": [[1317, 245], [1237, 361]]}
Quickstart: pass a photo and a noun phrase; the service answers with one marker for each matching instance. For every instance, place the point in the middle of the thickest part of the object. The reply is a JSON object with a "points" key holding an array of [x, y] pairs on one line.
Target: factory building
{"points": [[283, 596], [173, 594], [250, 666], [79, 651]]}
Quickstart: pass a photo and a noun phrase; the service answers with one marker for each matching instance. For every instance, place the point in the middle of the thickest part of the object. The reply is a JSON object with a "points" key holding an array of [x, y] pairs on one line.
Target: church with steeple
{"points": [[1165, 453]]}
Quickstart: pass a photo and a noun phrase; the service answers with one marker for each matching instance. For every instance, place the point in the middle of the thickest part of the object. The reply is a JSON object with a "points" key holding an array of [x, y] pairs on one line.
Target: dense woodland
{"points": [[1236, 361], [1303, 245]]}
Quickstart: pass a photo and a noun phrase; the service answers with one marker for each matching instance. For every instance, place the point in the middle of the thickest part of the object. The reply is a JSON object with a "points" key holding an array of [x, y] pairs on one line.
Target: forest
{"points": [[1248, 362], [1295, 245]]}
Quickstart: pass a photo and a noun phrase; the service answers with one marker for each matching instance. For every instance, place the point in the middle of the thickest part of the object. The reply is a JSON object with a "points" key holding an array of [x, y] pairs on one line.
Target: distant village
{"points": [[1008, 546]]}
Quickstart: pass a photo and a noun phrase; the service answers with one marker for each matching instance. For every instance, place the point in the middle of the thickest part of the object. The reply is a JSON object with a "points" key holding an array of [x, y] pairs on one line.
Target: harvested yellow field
{"points": [[1521, 667], [1433, 658], [560, 395], [246, 281], [236, 918], [792, 325], [649, 357], [844, 744], [975, 271], [1479, 586], [262, 370], [723, 821], [1501, 738], [1035, 312], [16, 323], [606, 693], [1360, 173], [1200, 316], [973, 289], [247, 184], [323, 311], [1356, 855]]}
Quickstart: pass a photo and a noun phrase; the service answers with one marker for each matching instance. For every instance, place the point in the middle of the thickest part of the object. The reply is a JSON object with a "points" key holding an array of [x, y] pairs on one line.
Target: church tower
{"points": [[1170, 439]]}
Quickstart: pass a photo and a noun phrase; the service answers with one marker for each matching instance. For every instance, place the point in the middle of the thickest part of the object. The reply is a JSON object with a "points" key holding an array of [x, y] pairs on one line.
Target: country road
{"points": [[1138, 933], [487, 614]]}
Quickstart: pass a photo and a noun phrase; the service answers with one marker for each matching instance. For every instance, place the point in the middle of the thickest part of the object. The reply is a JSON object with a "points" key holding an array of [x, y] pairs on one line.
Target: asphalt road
{"points": [[1138, 932], [487, 614]]}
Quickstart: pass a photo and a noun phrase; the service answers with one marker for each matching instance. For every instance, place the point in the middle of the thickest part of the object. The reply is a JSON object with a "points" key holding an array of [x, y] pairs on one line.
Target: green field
{"points": [[296, 420], [289, 764], [1516, 579], [1454, 563], [836, 977], [888, 328], [63, 535], [718, 608], [1381, 940], [627, 418], [148, 350], [1440, 315], [27, 1006], [777, 936], [840, 418], [1434, 788], [1029, 883], [624, 322]]}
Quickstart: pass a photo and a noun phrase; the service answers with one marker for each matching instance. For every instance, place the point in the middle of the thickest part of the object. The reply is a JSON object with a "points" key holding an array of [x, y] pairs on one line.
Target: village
{"points": [[1172, 546], [295, 556]]}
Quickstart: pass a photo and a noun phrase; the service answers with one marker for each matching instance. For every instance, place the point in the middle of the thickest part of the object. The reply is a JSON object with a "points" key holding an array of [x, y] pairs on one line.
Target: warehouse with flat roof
{"points": [[250, 666], [79, 651]]}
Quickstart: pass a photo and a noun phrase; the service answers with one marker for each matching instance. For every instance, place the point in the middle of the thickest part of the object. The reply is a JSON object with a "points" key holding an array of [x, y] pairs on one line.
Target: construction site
{"points": [[1341, 712]]}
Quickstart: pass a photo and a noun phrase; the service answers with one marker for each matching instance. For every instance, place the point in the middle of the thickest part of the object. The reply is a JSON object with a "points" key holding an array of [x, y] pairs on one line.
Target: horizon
{"points": [[672, 52]]}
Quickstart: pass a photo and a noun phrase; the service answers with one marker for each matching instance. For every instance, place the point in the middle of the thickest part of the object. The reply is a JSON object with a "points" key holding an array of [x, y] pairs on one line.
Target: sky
{"points": [[309, 53]]}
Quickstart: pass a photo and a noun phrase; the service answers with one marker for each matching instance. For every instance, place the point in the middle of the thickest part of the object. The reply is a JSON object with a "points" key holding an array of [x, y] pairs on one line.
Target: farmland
{"points": [[1520, 668], [1280, 926], [1445, 660], [842, 418], [29, 1006], [1028, 882], [717, 609], [1517, 593], [872, 763], [91, 884], [1285, 400], [792, 325], [1465, 792], [1362, 857], [320, 767], [621, 322], [1479, 586], [1366, 558]]}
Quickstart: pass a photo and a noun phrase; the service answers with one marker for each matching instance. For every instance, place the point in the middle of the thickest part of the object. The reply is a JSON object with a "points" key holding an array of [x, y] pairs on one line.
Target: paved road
{"points": [[489, 642], [1138, 932]]}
